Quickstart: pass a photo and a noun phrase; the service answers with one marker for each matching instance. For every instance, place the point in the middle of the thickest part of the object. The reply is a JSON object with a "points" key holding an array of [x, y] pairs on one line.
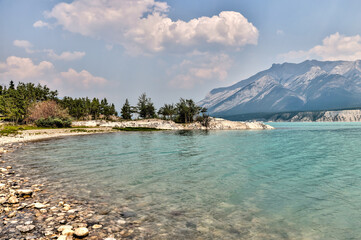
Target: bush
{"points": [[53, 122], [46, 110]]}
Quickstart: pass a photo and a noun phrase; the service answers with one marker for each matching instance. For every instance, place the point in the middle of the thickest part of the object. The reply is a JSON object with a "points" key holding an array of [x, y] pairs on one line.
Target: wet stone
{"points": [[128, 214]]}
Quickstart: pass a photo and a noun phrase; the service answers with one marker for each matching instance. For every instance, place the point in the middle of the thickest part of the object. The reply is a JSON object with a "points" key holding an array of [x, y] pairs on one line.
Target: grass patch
{"points": [[79, 130], [9, 130], [136, 129]]}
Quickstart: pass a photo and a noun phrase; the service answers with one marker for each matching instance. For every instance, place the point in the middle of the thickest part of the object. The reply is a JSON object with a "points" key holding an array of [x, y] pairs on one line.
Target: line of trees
{"points": [[185, 111], [23, 103], [16, 102]]}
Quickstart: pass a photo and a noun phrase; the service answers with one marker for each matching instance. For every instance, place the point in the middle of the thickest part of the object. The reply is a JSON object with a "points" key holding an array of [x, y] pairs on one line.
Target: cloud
{"points": [[200, 68], [280, 32], [66, 56], [82, 78], [41, 24], [20, 69], [333, 47], [24, 69], [143, 26], [24, 44]]}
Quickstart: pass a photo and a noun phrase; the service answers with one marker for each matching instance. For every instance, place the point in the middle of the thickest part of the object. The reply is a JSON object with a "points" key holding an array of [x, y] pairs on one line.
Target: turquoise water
{"points": [[299, 181]]}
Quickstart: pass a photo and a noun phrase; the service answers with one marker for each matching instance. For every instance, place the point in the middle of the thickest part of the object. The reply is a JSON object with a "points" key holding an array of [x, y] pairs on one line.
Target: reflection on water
{"points": [[301, 181]]}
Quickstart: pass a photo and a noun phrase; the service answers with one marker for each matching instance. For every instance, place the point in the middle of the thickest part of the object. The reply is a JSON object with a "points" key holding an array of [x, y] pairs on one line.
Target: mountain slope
{"points": [[310, 85]]}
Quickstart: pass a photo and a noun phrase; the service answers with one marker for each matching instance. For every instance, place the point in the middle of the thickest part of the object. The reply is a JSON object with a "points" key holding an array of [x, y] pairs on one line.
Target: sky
{"points": [[119, 49]]}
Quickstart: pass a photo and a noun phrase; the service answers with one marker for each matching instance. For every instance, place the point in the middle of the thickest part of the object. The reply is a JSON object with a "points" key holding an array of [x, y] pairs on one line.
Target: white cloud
{"points": [[24, 44], [333, 47], [200, 68], [21, 69], [280, 32], [66, 56], [41, 24], [24, 69], [143, 25], [82, 78]]}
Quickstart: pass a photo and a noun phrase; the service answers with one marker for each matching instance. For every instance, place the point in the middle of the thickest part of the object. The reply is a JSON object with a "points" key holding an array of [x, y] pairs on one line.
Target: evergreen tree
{"points": [[126, 110], [145, 107]]}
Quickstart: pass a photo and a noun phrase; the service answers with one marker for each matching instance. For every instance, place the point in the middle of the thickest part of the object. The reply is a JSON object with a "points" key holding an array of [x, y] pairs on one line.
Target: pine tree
{"points": [[126, 111]]}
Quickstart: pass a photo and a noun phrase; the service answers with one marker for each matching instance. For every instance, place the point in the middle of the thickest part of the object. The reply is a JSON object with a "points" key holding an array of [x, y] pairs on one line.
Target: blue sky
{"points": [[168, 49]]}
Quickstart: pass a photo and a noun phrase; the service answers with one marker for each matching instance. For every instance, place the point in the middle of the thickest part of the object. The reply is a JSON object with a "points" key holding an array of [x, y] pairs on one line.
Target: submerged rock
{"points": [[25, 228], [39, 205], [81, 232], [13, 200], [128, 214], [24, 192]]}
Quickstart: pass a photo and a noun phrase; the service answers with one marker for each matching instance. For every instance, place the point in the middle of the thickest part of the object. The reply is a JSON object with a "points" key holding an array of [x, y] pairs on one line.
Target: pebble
{"points": [[23, 192], [67, 232], [96, 226], [64, 227], [25, 229], [81, 232], [13, 200], [39, 205]]}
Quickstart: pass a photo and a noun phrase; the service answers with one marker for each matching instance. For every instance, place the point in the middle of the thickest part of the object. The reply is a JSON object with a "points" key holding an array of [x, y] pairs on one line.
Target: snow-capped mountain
{"points": [[310, 85]]}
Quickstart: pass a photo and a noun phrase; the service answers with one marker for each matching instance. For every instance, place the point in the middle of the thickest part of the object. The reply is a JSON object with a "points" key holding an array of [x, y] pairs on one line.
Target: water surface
{"points": [[300, 181]]}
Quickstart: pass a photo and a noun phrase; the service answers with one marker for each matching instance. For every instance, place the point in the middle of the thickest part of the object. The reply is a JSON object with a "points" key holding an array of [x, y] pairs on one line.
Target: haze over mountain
{"points": [[310, 85]]}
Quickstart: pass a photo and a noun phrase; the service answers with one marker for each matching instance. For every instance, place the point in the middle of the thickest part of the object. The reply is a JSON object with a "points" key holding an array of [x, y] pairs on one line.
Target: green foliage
{"points": [[132, 129], [15, 101], [126, 111], [9, 130], [168, 111], [187, 110], [145, 107], [82, 108], [53, 122]]}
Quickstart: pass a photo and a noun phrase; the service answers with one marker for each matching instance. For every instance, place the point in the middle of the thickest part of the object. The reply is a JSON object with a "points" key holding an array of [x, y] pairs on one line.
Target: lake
{"points": [[299, 181]]}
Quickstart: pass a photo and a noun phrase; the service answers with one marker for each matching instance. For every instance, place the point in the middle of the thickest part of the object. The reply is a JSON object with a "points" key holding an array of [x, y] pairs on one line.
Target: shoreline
{"points": [[47, 134], [98, 127]]}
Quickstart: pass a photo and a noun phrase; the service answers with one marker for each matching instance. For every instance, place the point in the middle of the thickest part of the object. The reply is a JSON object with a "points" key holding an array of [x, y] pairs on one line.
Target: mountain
{"points": [[307, 86]]}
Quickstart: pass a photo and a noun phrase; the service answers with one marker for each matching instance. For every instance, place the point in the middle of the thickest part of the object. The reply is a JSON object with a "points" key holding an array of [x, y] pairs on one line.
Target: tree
{"points": [[186, 110], [95, 108], [145, 107], [126, 110], [167, 111]]}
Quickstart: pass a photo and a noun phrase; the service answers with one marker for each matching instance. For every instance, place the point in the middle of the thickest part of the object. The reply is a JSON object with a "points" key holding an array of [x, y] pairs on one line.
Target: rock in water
{"points": [[81, 232], [13, 200], [25, 229], [24, 192], [39, 205]]}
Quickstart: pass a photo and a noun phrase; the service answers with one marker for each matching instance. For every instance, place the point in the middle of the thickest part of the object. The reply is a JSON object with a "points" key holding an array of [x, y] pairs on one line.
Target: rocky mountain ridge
{"points": [[307, 86]]}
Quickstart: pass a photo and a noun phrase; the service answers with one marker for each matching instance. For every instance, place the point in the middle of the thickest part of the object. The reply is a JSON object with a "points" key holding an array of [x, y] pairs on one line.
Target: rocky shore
{"points": [[214, 124], [30, 211]]}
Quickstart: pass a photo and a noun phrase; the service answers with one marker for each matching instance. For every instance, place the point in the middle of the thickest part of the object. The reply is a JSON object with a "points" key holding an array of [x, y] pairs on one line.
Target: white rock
{"points": [[39, 205], [2, 186], [22, 192], [81, 232], [64, 227], [67, 232], [13, 200]]}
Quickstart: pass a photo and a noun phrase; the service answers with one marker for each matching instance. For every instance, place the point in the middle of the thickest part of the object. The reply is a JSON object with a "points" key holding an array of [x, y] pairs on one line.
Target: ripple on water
{"points": [[301, 181]]}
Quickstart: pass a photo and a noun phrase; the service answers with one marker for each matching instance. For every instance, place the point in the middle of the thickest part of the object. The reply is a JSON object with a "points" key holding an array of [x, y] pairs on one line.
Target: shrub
{"points": [[46, 110], [53, 122]]}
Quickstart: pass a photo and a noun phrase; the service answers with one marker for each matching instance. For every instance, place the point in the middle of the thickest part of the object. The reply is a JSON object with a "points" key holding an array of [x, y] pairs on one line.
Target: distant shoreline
{"points": [[96, 127]]}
